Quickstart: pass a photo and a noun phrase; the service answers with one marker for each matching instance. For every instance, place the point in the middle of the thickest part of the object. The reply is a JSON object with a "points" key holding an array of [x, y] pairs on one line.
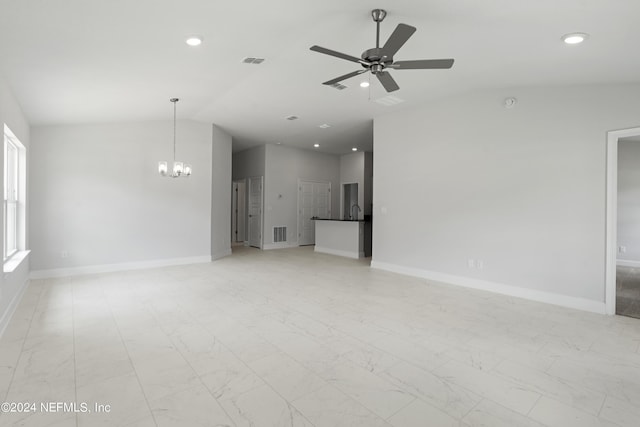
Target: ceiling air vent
{"points": [[292, 118], [250, 60], [389, 100], [338, 86]]}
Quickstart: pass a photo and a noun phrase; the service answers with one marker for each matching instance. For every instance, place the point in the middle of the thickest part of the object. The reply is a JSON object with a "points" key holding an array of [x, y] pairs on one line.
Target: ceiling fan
{"points": [[379, 58]]}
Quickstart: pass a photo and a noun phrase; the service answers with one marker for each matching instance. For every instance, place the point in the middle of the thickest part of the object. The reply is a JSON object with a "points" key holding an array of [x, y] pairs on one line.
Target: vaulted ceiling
{"points": [[97, 61]]}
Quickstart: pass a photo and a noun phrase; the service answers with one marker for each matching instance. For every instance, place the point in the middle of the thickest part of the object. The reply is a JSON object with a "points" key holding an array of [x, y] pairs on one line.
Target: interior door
{"points": [[314, 201], [255, 212], [238, 212]]}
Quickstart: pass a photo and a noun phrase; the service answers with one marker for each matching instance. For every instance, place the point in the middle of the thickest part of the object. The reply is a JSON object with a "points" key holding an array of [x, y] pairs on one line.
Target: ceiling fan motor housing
{"points": [[377, 58]]}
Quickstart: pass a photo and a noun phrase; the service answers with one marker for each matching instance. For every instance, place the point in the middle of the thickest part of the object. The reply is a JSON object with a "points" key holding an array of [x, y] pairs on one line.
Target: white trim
{"points": [[280, 245], [110, 268], [612, 215], [341, 216], [11, 264], [499, 288], [262, 191], [11, 308], [348, 254], [220, 254], [628, 263]]}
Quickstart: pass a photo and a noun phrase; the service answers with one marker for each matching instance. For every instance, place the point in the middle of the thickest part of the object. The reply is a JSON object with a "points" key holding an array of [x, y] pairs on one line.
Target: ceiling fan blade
{"points": [[398, 38], [423, 64], [346, 76], [338, 54], [387, 81]]}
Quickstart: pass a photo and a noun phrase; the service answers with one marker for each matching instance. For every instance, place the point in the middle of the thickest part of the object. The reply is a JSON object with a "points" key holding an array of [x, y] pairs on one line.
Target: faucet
{"points": [[355, 217]]}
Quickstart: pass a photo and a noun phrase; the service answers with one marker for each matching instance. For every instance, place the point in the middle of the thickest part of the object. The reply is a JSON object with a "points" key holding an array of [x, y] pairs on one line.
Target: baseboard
{"points": [[279, 245], [348, 254], [499, 288], [11, 308], [110, 268], [627, 263], [221, 254]]}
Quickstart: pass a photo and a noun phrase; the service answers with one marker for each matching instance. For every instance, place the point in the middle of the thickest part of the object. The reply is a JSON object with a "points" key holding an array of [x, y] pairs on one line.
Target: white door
{"points": [[314, 201], [255, 212]]}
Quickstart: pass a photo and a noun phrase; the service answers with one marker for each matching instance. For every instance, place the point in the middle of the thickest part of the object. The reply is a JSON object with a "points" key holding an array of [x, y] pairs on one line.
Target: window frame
{"points": [[12, 192]]}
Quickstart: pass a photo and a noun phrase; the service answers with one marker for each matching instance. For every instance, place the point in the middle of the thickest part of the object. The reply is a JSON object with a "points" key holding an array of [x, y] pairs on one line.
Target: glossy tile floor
{"points": [[628, 291], [293, 338]]}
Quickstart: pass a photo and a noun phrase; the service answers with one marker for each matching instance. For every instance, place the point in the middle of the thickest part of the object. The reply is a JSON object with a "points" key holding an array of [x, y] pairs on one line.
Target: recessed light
{"points": [[291, 118], [324, 126], [354, 149], [575, 38], [194, 40], [316, 145], [364, 84]]}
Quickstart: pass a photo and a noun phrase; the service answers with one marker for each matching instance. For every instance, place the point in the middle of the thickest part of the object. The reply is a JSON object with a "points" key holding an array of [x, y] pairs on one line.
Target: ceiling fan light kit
{"points": [[378, 59]]}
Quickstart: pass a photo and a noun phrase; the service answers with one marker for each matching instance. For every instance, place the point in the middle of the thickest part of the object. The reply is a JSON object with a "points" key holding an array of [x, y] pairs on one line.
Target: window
{"points": [[14, 179]]}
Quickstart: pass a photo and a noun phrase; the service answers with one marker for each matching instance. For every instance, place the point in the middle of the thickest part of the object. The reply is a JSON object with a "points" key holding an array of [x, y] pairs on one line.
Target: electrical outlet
{"points": [[622, 249], [471, 263]]}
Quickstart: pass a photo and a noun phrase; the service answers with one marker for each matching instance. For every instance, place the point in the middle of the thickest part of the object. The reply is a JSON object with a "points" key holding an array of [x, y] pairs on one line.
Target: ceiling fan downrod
{"points": [[378, 16]]}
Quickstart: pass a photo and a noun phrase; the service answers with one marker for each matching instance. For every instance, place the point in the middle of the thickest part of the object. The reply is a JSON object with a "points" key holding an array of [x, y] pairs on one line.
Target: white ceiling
{"points": [[97, 61]]}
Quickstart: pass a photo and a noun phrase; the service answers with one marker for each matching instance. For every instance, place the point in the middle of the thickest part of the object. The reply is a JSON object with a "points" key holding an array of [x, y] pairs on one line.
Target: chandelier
{"points": [[179, 169]]}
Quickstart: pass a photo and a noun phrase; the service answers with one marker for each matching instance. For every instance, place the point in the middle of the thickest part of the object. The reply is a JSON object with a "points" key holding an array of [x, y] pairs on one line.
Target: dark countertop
{"points": [[339, 220], [367, 218]]}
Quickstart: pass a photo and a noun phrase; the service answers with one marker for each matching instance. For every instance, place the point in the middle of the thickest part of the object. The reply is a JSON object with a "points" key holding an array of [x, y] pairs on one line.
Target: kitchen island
{"points": [[340, 237]]}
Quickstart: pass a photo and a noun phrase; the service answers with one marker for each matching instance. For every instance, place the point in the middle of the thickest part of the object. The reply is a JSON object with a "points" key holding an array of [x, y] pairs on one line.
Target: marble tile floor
{"points": [[294, 338], [628, 291]]}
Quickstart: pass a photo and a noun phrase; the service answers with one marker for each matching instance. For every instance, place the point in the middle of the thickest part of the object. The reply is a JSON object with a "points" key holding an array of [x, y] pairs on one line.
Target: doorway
{"points": [[622, 271], [314, 202], [255, 211], [350, 207], [238, 212]]}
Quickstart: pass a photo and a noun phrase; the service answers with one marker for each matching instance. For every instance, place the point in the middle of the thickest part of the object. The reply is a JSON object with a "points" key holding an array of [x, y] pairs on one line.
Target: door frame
{"points": [[342, 184], [261, 178], [611, 230], [298, 223], [235, 216]]}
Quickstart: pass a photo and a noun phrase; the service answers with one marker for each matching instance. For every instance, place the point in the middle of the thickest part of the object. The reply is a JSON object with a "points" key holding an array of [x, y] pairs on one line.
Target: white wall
{"points": [[248, 163], [96, 194], [221, 194], [521, 189], [12, 284], [629, 200], [284, 167]]}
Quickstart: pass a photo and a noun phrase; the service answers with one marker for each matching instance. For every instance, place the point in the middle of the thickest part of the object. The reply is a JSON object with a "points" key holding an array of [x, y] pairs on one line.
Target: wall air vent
{"points": [[250, 60], [292, 118], [279, 234], [389, 100], [338, 86]]}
